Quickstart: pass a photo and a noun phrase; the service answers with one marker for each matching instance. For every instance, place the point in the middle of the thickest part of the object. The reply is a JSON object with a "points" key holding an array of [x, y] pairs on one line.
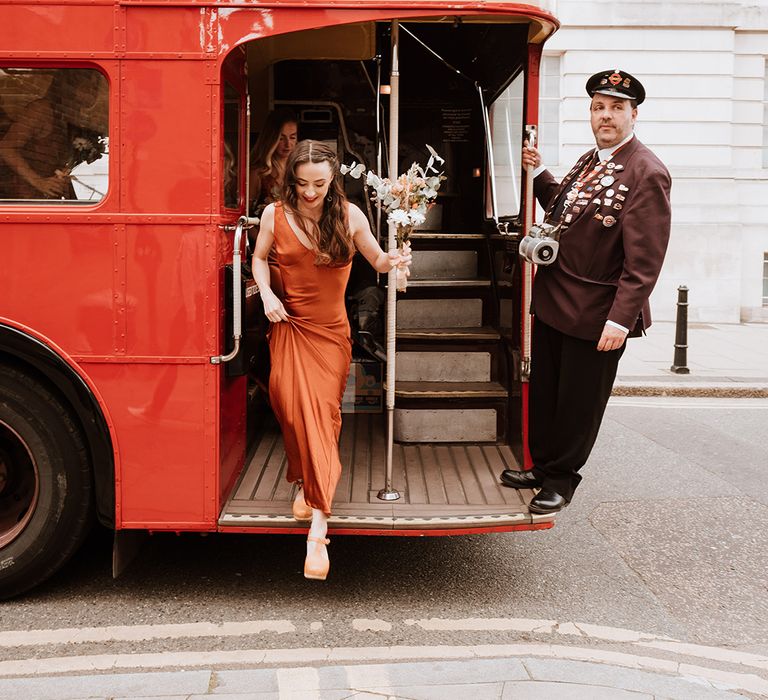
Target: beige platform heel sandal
{"points": [[301, 511], [315, 565]]}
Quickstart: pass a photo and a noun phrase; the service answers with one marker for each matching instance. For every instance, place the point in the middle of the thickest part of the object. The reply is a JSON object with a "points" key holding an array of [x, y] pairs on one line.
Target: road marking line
{"points": [[132, 633], [371, 626], [504, 624], [256, 657], [716, 654], [141, 633], [484, 624]]}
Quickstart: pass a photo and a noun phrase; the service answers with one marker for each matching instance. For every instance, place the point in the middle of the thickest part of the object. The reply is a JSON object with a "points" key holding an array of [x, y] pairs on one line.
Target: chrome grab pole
{"points": [[243, 223], [489, 153], [525, 359], [388, 493]]}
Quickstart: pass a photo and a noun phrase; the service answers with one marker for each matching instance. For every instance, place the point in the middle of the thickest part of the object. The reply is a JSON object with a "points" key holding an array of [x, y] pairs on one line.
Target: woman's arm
{"points": [[370, 249], [37, 120], [273, 307]]}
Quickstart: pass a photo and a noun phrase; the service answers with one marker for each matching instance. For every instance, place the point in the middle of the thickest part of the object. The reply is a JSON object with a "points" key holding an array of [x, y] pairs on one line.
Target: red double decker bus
{"points": [[132, 344]]}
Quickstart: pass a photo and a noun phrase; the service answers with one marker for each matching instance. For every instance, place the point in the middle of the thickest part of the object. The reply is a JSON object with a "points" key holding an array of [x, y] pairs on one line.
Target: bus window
{"points": [[231, 164], [506, 122], [54, 126]]}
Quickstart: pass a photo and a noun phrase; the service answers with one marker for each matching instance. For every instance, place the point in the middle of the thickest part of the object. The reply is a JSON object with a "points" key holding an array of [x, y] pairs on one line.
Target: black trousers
{"points": [[570, 384]]}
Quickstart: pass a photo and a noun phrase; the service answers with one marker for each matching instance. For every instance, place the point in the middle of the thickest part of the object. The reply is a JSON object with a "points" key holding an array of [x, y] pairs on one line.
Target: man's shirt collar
{"points": [[606, 153]]}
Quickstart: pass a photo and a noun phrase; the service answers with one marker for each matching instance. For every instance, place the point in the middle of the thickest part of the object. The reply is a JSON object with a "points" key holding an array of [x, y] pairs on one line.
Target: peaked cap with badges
{"points": [[617, 83]]}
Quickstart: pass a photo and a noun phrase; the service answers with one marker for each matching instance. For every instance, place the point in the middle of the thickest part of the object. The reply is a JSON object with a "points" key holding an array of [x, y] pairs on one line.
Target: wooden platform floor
{"points": [[442, 486]]}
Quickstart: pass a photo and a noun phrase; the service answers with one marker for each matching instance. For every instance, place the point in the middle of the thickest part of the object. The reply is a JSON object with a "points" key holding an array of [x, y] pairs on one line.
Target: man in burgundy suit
{"points": [[614, 212]]}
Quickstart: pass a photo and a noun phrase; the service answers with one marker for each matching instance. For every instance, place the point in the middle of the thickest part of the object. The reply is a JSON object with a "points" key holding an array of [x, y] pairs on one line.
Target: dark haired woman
{"points": [[315, 233], [268, 158]]}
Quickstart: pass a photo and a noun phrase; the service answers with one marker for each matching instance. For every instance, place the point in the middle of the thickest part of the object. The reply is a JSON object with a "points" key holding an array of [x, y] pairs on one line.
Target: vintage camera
{"points": [[540, 244]]}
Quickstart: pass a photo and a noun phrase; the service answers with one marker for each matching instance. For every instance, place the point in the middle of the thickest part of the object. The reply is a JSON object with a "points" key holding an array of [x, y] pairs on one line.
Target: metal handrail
{"points": [[243, 223]]}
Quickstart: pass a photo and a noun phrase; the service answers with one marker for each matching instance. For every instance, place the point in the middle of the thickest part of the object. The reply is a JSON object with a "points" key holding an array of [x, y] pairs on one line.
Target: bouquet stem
{"points": [[402, 234]]}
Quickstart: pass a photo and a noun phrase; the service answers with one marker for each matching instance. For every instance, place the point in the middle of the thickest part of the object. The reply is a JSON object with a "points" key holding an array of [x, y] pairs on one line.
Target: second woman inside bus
{"points": [[268, 158], [315, 232]]}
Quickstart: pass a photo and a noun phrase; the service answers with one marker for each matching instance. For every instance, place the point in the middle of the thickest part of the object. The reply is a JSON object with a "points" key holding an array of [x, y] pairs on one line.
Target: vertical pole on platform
{"points": [[378, 136], [680, 363], [530, 205], [388, 493]]}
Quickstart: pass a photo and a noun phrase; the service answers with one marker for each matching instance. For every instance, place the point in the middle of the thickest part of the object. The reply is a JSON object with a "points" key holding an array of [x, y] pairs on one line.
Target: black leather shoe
{"points": [[545, 502], [519, 480]]}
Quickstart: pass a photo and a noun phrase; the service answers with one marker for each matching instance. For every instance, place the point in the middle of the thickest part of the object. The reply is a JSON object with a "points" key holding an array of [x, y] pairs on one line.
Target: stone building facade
{"points": [[704, 65]]}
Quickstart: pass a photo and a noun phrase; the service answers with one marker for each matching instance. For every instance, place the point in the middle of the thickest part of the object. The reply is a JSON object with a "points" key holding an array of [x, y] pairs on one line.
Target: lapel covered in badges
{"points": [[566, 183]]}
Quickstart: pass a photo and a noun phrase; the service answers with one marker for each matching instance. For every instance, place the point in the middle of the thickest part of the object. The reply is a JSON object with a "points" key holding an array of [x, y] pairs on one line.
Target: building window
{"points": [[549, 110], [53, 135], [765, 279]]}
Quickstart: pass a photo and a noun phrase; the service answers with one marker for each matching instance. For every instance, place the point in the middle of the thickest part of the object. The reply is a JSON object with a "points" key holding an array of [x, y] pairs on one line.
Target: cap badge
{"points": [[614, 79], [626, 82]]}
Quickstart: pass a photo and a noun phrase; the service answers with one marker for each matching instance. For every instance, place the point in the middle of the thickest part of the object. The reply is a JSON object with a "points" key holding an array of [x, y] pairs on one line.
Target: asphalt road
{"points": [[668, 535]]}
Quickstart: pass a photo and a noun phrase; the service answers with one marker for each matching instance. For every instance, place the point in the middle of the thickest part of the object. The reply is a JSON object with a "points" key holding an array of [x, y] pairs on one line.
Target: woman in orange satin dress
{"points": [[315, 233]]}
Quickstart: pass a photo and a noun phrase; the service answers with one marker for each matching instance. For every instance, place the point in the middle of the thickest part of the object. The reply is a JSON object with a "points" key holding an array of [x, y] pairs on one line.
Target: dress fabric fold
{"points": [[311, 354]]}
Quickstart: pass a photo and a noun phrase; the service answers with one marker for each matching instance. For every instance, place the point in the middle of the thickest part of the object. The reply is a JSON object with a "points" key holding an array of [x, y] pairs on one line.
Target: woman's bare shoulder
{"points": [[356, 216], [268, 215]]}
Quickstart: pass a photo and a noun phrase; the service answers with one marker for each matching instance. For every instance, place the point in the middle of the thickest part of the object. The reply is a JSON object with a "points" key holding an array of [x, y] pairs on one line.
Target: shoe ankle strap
{"points": [[320, 540]]}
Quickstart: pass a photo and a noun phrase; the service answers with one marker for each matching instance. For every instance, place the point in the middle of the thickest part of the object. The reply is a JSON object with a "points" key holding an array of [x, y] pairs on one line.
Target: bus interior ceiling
{"points": [[457, 416]]}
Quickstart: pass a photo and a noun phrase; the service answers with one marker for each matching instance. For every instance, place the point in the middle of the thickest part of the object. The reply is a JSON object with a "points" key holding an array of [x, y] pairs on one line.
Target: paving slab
{"points": [[618, 678], [531, 690], [458, 691], [144, 685]]}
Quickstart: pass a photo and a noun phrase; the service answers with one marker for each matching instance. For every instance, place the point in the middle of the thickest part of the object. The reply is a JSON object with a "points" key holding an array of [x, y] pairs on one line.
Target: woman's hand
{"points": [[402, 259], [273, 307], [54, 186]]}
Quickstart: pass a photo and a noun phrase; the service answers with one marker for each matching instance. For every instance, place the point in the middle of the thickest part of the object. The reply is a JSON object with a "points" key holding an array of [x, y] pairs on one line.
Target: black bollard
{"points": [[680, 363]]}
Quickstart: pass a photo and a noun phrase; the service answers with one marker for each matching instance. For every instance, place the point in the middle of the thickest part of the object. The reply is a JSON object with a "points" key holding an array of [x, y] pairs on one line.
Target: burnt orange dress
{"points": [[311, 353]]}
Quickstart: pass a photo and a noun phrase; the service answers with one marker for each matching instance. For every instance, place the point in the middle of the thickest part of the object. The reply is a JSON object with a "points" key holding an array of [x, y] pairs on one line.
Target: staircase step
{"points": [[413, 366], [446, 425], [439, 313], [478, 335], [450, 390], [443, 264], [437, 236], [448, 282]]}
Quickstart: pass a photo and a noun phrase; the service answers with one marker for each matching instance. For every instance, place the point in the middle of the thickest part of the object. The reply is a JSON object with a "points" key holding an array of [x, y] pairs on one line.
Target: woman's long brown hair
{"points": [[266, 144], [330, 237]]}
